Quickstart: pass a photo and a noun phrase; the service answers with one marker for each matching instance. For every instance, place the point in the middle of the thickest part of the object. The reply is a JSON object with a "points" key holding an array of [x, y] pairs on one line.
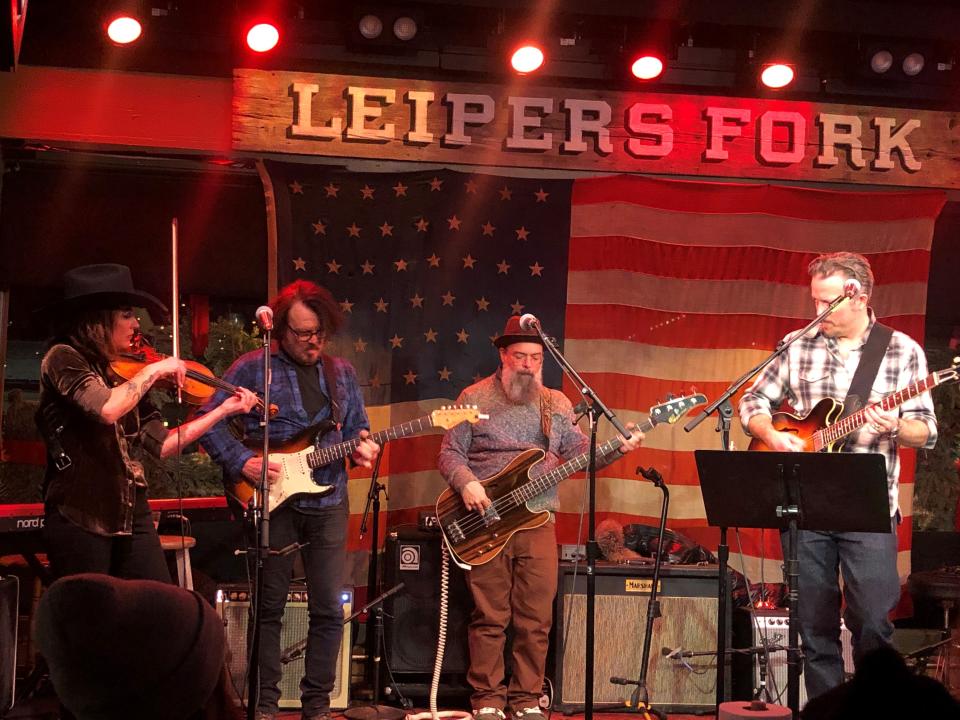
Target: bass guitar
{"points": [[301, 455], [476, 538], [820, 429]]}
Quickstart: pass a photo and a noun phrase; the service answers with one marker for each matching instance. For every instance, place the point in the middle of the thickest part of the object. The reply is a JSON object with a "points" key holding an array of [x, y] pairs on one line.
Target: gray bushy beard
{"points": [[522, 386]]}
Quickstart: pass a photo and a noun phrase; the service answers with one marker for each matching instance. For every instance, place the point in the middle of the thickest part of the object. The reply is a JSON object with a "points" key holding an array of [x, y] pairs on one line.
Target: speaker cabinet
{"points": [[233, 605], [9, 601], [688, 608], [412, 616], [773, 628]]}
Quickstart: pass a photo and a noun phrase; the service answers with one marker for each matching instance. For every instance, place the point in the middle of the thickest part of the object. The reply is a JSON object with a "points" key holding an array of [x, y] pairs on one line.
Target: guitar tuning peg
{"points": [[670, 396]]}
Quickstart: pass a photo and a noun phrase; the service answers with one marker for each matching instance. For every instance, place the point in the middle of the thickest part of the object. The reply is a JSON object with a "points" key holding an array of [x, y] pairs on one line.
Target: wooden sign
{"points": [[600, 131]]}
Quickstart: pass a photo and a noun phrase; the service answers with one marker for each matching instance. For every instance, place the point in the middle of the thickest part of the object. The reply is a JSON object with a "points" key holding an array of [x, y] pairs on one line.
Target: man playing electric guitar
{"points": [[825, 366], [518, 584], [308, 386]]}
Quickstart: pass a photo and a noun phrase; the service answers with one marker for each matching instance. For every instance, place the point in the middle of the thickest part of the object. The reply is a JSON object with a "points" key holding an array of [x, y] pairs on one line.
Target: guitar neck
{"points": [[552, 478], [327, 455], [857, 420]]}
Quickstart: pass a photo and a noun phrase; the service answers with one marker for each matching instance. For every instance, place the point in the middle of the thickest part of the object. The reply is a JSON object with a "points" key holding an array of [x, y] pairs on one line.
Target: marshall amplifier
{"points": [[688, 606]]}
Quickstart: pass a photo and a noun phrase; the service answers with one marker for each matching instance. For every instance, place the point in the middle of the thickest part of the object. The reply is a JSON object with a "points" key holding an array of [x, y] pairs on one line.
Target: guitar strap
{"points": [[546, 414], [336, 405], [870, 359]]}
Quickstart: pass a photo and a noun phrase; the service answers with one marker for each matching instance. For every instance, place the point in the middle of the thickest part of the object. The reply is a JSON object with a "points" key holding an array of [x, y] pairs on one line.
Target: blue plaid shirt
{"points": [[247, 371]]}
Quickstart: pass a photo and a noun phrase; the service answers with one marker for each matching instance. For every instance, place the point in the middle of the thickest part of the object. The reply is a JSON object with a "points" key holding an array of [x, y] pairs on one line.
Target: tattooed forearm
{"points": [[134, 390]]}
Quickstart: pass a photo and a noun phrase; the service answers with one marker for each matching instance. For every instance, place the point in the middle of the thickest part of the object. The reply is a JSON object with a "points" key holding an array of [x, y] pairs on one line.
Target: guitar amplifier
{"points": [[233, 605], [689, 611], [772, 627]]}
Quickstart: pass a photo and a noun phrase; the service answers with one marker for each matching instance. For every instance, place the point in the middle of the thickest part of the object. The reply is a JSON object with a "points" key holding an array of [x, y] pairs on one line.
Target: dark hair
{"points": [[850, 265], [88, 330], [314, 297]]}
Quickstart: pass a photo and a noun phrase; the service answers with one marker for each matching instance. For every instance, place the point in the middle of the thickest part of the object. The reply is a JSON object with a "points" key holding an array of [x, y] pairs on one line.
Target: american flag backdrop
{"points": [[649, 286]]}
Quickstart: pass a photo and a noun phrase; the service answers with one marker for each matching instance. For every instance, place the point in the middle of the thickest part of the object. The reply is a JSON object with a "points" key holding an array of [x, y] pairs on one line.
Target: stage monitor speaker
{"points": [[9, 601], [773, 628], [233, 605], [412, 616], [688, 605]]}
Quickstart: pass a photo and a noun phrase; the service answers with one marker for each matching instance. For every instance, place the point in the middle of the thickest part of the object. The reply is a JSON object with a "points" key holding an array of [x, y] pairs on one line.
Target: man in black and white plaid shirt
{"points": [[821, 367]]}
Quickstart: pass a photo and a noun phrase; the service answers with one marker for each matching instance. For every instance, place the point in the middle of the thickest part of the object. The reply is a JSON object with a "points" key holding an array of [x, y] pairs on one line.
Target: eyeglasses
{"points": [[308, 335]]}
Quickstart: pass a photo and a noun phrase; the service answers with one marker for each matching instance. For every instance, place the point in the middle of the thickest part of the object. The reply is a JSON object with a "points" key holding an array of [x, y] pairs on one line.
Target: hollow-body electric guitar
{"points": [[476, 538], [820, 429], [300, 455]]}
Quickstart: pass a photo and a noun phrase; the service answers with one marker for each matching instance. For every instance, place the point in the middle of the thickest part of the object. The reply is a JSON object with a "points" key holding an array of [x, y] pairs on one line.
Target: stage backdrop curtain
{"points": [[650, 286]]}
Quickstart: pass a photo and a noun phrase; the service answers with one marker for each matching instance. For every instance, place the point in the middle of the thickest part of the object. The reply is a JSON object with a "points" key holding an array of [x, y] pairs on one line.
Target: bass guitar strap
{"points": [[873, 352]]}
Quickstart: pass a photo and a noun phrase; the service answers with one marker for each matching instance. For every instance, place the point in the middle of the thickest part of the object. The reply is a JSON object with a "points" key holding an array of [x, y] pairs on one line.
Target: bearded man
{"points": [[517, 586]]}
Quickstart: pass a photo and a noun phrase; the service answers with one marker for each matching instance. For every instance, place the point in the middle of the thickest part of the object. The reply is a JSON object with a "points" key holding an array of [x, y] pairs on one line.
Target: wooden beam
{"points": [[107, 109]]}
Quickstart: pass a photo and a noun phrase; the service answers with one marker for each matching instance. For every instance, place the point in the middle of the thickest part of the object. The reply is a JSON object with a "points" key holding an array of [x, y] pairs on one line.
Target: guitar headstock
{"points": [[450, 416], [951, 374], [675, 408]]}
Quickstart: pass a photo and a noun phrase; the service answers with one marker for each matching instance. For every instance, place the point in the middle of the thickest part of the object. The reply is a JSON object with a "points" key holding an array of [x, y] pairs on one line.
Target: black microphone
{"points": [[529, 322], [851, 288], [265, 317]]}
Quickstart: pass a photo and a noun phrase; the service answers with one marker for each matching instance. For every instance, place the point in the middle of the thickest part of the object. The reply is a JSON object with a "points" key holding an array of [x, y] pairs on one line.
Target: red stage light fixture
{"points": [[776, 75], [527, 58], [646, 67], [124, 29], [263, 37]]}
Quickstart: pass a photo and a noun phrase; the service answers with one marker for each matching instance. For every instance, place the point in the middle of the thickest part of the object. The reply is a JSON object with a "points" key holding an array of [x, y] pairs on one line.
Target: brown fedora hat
{"points": [[105, 285], [513, 333]]}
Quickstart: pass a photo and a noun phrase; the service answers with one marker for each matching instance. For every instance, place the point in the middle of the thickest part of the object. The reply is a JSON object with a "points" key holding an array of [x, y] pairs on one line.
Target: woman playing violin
{"points": [[97, 429]]}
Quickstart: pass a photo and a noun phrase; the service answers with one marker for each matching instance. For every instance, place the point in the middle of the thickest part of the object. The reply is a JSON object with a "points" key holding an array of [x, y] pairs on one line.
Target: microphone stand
{"points": [[374, 638], [596, 409], [724, 409], [640, 698], [261, 519]]}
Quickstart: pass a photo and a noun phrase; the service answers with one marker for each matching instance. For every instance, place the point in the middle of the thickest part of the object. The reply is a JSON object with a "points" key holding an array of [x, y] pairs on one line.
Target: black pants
{"points": [[73, 550], [324, 559]]}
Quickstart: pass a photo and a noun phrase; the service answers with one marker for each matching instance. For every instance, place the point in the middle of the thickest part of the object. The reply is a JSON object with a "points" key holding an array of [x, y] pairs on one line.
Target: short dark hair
{"points": [[315, 297], [850, 265]]}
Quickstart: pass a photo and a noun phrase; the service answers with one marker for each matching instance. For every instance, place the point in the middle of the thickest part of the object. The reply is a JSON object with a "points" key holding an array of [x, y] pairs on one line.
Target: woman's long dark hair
{"points": [[88, 331]]}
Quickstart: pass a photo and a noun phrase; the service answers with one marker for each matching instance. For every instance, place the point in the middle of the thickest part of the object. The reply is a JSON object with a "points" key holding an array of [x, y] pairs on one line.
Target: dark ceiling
{"points": [[712, 46]]}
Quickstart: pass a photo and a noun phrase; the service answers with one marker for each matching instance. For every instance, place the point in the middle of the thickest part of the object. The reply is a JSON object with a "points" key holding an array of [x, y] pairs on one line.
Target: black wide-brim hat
{"points": [[104, 286], [513, 333]]}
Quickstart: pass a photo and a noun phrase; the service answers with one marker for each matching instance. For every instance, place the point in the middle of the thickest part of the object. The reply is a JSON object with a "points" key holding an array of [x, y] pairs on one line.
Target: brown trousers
{"points": [[518, 587]]}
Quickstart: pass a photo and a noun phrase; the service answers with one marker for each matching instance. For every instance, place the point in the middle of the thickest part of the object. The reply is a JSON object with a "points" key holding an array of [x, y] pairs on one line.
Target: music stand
{"points": [[839, 492]]}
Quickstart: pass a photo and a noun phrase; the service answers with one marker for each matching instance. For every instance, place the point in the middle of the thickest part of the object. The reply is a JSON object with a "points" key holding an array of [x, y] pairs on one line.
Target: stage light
{"points": [[527, 59], [124, 29], [370, 26], [913, 64], [647, 67], [881, 61], [776, 75], [263, 37], [405, 28]]}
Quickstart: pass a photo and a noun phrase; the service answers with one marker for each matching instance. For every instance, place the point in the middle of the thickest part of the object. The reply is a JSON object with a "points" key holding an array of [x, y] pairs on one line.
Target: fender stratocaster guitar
{"points": [[820, 429], [300, 455], [476, 538]]}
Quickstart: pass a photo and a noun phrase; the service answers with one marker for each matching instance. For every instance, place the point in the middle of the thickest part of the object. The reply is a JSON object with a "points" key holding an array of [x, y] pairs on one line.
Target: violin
{"points": [[200, 382]]}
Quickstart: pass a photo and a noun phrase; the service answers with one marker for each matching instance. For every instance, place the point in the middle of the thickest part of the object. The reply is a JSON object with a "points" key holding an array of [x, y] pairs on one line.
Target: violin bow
{"points": [[174, 300]]}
